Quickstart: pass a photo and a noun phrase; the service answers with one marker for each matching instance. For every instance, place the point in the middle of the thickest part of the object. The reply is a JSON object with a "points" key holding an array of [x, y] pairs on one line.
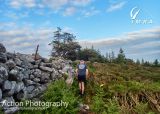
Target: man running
{"points": [[81, 72]]}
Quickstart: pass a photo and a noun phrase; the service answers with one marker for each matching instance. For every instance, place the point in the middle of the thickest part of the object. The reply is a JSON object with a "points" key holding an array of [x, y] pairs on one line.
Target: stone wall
{"points": [[21, 77]]}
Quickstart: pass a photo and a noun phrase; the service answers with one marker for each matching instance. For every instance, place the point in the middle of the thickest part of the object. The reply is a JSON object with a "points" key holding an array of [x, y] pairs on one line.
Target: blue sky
{"points": [[105, 24]]}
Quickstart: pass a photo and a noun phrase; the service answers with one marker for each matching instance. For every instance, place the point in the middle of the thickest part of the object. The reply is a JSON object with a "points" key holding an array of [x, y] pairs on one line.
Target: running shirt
{"points": [[81, 69]]}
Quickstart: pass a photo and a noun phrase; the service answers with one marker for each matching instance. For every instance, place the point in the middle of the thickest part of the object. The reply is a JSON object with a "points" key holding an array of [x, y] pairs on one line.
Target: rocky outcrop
{"points": [[21, 77]]}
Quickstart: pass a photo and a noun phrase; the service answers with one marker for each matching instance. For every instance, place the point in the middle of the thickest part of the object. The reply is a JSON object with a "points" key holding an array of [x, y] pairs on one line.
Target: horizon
{"points": [[109, 25]]}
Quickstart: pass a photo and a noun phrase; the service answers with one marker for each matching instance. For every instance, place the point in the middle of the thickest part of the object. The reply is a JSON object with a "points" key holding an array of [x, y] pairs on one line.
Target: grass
{"points": [[111, 89]]}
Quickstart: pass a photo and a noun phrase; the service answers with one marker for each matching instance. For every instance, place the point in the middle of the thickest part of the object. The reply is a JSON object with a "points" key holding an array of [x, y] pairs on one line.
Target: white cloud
{"points": [[147, 44], [55, 4], [69, 11], [80, 2], [116, 6], [25, 39], [20, 3], [92, 11], [142, 42]]}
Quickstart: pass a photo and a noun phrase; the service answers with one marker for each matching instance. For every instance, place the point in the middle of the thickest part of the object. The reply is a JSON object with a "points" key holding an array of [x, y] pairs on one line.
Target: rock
{"points": [[26, 57], [36, 80], [13, 88], [2, 48], [26, 64], [20, 95], [35, 66], [15, 75], [3, 74], [31, 77], [45, 60], [18, 61], [10, 55], [44, 77], [42, 88], [26, 73], [83, 108], [11, 64], [35, 92], [37, 73], [3, 57], [29, 89], [7, 85], [13, 72], [0, 94], [47, 69], [9, 109], [29, 82], [19, 87], [54, 74]]}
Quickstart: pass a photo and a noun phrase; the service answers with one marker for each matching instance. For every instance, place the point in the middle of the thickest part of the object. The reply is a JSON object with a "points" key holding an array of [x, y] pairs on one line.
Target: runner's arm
{"points": [[87, 73]]}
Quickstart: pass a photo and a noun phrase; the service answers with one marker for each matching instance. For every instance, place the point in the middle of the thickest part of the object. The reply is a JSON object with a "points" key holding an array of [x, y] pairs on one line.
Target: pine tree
{"points": [[138, 62], [121, 56], [156, 62], [64, 45]]}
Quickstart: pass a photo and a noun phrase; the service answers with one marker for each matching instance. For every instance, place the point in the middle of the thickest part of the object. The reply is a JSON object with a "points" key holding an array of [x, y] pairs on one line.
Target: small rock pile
{"points": [[21, 77]]}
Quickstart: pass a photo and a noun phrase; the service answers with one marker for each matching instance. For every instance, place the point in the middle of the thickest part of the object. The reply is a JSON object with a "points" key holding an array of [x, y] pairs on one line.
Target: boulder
{"points": [[19, 87], [36, 80], [29, 89], [29, 82], [13, 88], [31, 77], [7, 85], [3, 57], [47, 69], [45, 77], [13, 72], [3, 74], [18, 61], [2, 48], [37, 73], [20, 95], [0, 94], [16, 75], [11, 64], [10, 55]]}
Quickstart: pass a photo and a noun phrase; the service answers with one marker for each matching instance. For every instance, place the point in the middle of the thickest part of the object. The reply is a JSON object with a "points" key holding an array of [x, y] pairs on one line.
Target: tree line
{"points": [[64, 44]]}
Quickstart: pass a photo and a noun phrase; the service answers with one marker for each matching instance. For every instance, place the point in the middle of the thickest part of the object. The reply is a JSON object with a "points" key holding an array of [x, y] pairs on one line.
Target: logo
{"points": [[134, 17]]}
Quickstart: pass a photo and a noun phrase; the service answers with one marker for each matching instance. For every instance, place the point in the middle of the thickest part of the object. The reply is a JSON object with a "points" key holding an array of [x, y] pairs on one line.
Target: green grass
{"points": [[106, 90]]}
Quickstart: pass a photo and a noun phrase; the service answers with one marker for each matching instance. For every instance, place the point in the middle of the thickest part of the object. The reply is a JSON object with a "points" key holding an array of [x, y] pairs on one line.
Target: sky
{"points": [[108, 25]]}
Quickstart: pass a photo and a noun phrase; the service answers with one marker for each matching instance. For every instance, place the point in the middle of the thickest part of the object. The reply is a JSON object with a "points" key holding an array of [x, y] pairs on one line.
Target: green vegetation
{"points": [[110, 89]]}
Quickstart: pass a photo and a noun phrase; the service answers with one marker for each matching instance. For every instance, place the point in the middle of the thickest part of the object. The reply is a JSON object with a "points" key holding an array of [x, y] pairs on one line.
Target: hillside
{"points": [[126, 88], [111, 89]]}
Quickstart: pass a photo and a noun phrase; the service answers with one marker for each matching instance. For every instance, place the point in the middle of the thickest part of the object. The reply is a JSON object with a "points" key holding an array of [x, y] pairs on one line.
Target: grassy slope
{"points": [[110, 89], [124, 88]]}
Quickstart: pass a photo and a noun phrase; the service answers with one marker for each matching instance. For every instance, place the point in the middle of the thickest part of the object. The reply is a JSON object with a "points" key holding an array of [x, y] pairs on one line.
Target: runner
{"points": [[81, 73]]}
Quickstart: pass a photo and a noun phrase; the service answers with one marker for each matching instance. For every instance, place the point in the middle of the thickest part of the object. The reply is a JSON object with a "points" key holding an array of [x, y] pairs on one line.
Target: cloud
{"points": [[80, 2], [91, 12], [55, 4], [116, 6], [69, 11], [25, 39], [138, 43], [20, 3]]}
